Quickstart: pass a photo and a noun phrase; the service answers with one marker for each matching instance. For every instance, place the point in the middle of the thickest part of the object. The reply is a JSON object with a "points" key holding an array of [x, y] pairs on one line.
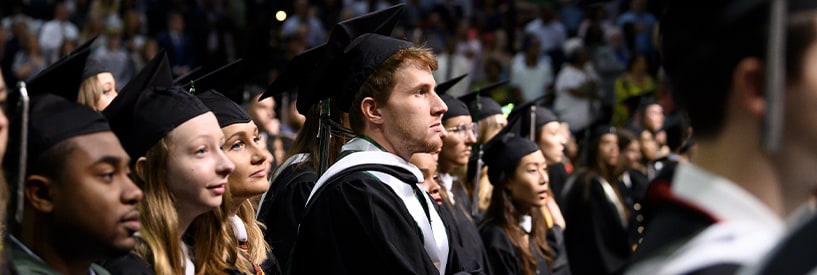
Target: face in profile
{"points": [[95, 173], [552, 142], [197, 167], [529, 184], [427, 163], [246, 151], [413, 112], [108, 87], [458, 140]]}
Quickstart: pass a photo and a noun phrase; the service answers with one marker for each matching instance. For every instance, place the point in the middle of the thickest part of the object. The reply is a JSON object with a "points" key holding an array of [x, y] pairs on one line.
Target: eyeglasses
{"points": [[464, 129]]}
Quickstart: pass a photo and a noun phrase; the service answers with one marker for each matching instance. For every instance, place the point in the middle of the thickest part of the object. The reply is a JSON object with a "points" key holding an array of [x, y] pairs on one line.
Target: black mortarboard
{"points": [[224, 79], [189, 76], [443, 88], [455, 107], [315, 73], [153, 73], [487, 106], [296, 74], [355, 49], [64, 77], [360, 59], [519, 120], [54, 119], [503, 152], [141, 117], [227, 112], [208, 89], [94, 67]]}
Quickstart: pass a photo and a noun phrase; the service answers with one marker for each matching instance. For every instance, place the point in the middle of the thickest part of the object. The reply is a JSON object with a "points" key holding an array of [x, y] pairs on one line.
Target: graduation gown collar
{"points": [[720, 197]]}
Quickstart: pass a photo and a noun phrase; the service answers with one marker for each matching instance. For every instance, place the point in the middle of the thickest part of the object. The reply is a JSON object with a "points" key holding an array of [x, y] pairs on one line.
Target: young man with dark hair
{"points": [[77, 204], [726, 210]]}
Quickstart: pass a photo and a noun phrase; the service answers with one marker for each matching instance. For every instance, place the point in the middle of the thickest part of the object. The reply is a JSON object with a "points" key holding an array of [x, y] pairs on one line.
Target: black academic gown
{"points": [[503, 256], [466, 252], [358, 225], [597, 240], [283, 208], [128, 264]]}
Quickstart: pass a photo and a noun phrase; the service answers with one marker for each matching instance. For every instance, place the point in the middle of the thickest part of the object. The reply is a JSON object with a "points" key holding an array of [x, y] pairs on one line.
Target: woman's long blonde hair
{"points": [[159, 244], [258, 248]]}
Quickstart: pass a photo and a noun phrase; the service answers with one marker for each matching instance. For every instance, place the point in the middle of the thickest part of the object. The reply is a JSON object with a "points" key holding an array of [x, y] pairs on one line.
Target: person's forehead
{"points": [[91, 147]]}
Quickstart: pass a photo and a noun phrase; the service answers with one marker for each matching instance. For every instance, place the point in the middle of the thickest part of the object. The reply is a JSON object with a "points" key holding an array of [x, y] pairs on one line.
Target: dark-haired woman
{"points": [[515, 230], [597, 210]]}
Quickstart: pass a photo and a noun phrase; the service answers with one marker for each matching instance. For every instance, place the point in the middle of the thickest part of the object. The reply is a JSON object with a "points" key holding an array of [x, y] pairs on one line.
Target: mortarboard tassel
{"points": [[775, 74], [21, 170], [478, 172]]}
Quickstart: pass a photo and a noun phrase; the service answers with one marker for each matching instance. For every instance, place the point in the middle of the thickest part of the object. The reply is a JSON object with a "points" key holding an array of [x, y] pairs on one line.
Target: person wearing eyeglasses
{"points": [[456, 149], [451, 164]]}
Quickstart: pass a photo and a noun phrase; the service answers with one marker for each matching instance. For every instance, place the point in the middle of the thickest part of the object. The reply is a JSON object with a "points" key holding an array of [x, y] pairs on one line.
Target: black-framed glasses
{"points": [[463, 129]]}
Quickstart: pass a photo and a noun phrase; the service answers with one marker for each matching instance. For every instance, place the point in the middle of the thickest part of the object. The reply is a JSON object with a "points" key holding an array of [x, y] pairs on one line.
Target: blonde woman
{"points": [[175, 146], [98, 87], [244, 147]]}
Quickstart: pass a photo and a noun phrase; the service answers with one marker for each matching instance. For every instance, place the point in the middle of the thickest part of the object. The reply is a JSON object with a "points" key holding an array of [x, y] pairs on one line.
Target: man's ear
{"points": [[38, 192], [139, 167], [370, 110], [747, 86]]}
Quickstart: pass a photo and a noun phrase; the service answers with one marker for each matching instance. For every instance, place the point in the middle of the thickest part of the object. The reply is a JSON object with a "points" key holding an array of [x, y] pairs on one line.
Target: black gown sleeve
{"points": [[358, 225]]}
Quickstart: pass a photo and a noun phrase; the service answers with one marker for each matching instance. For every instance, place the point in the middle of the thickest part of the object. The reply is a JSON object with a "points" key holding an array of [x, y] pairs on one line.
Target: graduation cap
{"points": [[297, 74], [355, 49], [525, 119], [480, 102], [503, 152], [442, 88], [64, 77], [315, 73], [455, 107], [207, 88], [227, 111], [361, 59], [94, 67], [189, 76], [149, 107], [224, 79]]}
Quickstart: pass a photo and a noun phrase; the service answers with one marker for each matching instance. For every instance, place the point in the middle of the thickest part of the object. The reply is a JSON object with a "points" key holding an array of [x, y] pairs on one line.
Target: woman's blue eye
{"points": [[236, 146]]}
